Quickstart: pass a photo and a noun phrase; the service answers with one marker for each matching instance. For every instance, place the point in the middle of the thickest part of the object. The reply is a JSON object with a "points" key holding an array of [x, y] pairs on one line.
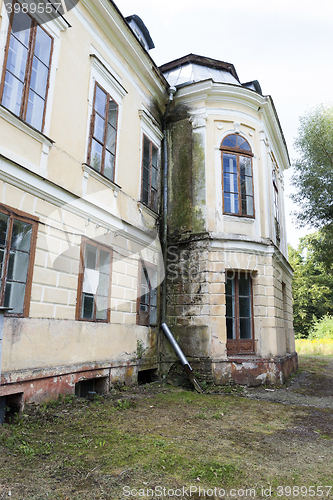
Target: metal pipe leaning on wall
{"points": [[187, 367]]}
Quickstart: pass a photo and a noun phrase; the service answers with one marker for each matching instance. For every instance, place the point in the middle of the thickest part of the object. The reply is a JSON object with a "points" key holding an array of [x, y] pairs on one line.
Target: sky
{"points": [[287, 45]]}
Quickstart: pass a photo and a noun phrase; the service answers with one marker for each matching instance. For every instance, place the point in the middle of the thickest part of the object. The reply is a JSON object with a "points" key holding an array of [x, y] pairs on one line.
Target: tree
{"points": [[313, 171], [312, 284]]}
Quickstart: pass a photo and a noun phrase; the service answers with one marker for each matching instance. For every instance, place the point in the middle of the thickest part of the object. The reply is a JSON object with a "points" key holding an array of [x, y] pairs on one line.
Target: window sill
{"points": [[143, 208], [24, 127], [249, 219], [88, 170]]}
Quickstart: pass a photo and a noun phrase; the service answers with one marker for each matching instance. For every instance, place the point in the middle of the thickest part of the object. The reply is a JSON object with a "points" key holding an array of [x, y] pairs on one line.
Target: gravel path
{"points": [[312, 386]]}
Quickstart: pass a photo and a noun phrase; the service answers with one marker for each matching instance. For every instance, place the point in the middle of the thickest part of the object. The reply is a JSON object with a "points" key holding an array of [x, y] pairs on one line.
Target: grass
{"points": [[322, 347], [73, 449]]}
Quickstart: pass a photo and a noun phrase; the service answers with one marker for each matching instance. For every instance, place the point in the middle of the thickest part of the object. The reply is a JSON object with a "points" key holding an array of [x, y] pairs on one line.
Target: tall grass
{"points": [[316, 346], [320, 340]]}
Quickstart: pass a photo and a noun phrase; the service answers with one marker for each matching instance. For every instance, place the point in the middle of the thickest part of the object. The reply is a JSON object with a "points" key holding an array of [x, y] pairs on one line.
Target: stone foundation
{"points": [[255, 371]]}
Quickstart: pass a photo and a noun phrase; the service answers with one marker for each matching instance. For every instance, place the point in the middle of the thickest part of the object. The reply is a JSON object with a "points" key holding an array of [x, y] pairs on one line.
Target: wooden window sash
{"points": [[150, 188], [79, 301], [91, 132], [238, 345], [138, 315], [276, 208], [18, 215], [238, 152], [28, 69]]}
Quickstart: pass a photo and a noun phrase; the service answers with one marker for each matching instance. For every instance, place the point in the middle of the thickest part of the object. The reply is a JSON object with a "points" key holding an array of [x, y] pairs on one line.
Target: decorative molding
{"points": [[151, 123], [88, 170], [198, 120], [237, 127], [106, 71], [143, 208], [58, 197]]}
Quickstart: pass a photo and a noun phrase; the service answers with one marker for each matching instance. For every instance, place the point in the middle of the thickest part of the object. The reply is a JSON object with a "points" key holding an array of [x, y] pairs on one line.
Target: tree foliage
{"points": [[312, 283], [313, 171]]}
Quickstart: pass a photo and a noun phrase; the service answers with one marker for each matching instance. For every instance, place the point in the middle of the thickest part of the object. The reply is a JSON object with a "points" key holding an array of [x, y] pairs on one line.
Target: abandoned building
{"points": [[130, 194]]}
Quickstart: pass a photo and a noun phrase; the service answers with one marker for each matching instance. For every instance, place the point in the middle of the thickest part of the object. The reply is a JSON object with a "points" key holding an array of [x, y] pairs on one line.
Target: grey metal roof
{"points": [[191, 73]]}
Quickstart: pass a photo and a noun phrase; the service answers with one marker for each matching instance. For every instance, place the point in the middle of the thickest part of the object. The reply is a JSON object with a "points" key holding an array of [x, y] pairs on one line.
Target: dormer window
{"points": [[237, 178]]}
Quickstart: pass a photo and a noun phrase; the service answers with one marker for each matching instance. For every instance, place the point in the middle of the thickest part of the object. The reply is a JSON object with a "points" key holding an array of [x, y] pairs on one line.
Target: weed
{"points": [[140, 349], [26, 449], [159, 443], [201, 415], [124, 404], [214, 472]]}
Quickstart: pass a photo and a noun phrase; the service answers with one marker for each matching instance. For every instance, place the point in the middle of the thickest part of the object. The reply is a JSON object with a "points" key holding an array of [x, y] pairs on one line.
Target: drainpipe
{"points": [[171, 92], [3, 310], [186, 365], [2, 400]]}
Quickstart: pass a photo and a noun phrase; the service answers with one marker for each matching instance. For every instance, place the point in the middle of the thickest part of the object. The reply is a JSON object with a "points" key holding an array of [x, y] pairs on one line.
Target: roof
{"points": [[202, 61]]}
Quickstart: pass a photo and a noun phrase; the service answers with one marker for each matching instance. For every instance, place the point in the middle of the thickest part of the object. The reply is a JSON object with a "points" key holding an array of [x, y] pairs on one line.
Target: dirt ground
{"points": [[159, 441]]}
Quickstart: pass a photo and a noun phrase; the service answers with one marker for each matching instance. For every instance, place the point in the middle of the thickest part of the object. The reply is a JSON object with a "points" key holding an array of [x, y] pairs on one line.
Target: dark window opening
{"points": [[239, 313], [147, 376], [90, 387], [10, 407]]}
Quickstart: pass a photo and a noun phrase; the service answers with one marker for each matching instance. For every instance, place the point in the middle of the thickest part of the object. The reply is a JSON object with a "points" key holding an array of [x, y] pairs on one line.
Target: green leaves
{"points": [[312, 282], [313, 171]]}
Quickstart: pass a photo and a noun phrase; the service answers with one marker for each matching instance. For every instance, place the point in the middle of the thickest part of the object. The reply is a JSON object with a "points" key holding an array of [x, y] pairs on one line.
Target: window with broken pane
{"points": [[17, 243], [147, 292], [103, 133], [238, 197], [27, 67], [94, 282]]}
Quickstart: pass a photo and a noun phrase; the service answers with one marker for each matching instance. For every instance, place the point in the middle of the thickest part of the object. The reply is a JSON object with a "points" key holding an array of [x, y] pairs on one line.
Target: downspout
{"points": [[3, 310], [186, 365], [171, 92]]}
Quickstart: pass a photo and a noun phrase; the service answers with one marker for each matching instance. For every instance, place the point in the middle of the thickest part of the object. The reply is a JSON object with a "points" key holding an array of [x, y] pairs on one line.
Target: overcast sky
{"points": [[287, 45]]}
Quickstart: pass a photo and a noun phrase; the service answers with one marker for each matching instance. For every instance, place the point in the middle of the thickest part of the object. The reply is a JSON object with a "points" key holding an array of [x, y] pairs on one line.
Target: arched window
{"points": [[237, 176]]}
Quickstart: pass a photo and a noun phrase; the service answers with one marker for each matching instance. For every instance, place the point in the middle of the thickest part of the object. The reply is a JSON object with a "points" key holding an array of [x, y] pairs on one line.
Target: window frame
{"points": [[151, 145], [29, 219], [139, 320], [91, 132], [100, 246], [277, 223], [239, 346], [238, 152], [28, 70]]}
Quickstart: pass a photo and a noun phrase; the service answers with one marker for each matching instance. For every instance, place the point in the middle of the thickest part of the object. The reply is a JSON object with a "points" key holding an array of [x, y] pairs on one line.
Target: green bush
{"points": [[322, 329]]}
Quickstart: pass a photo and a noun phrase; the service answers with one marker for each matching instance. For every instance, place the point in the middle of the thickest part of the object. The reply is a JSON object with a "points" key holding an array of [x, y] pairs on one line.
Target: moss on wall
{"points": [[186, 179]]}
